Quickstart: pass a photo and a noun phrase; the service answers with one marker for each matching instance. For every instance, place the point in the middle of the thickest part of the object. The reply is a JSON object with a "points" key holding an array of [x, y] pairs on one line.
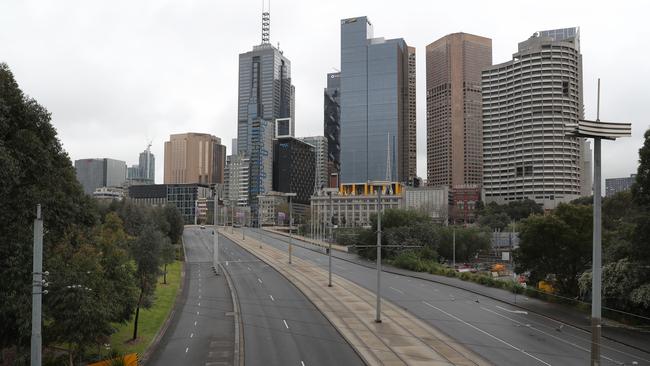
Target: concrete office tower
{"points": [[233, 147], [332, 126], [529, 104], [102, 172], [375, 104], [320, 149], [454, 124], [194, 158], [236, 179]]}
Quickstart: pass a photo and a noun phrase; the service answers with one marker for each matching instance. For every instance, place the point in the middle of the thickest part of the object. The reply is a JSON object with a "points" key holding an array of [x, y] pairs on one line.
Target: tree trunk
{"points": [[137, 315], [165, 274]]}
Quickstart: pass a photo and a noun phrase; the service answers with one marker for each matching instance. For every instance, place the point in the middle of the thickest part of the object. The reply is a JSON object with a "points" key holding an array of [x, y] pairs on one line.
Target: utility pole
{"points": [[37, 289], [379, 207], [453, 233]]}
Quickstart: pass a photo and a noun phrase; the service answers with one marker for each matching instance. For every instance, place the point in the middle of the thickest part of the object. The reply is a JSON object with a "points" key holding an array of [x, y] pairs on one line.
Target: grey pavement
{"points": [[500, 332], [280, 325], [202, 328]]}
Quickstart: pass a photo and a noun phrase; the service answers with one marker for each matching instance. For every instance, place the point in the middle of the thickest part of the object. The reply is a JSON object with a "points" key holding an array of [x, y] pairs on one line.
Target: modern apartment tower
{"points": [[294, 168], [332, 127], [194, 158], [529, 105], [454, 124], [377, 105], [236, 180]]}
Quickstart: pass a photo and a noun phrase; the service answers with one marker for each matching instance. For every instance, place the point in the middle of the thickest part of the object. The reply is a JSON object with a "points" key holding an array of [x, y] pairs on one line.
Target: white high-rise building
{"points": [[236, 177], [529, 105], [320, 147]]}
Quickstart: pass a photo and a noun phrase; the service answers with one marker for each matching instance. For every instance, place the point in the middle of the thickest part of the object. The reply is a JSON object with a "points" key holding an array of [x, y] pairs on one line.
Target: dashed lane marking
{"points": [[285, 324], [271, 296]]}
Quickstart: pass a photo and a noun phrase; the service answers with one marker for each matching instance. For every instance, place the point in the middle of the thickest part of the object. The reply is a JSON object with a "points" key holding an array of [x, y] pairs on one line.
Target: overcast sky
{"points": [[117, 74]]}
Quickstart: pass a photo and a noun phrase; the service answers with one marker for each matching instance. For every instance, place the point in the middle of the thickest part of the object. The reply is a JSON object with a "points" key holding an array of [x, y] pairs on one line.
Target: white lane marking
{"points": [[199, 303], [199, 297], [486, 333], [285, 323], [191, 335], [226, 262], [513, 311], [187, 349], [197, 313], [271, 296], [302, 363], [394, 289], [549, 334], [195, 323], [259, 280], [249, 268]]}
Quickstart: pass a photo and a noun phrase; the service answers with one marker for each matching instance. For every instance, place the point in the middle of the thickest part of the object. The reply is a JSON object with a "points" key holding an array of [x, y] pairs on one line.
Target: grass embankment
{"points": [[150, 319]]}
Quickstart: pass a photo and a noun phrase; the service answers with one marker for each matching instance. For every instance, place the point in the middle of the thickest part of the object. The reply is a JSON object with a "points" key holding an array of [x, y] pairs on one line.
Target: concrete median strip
{"points": [[401, 339]]}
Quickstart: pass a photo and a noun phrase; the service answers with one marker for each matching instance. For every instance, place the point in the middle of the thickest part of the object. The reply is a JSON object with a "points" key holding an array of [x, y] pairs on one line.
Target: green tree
{"points": [[34, 169], [167, 256], [556, 245], [146, 254]]}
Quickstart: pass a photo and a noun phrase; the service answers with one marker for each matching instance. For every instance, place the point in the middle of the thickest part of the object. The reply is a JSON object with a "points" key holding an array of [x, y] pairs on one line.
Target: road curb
{"points": [[239, 326], [163, 329]]}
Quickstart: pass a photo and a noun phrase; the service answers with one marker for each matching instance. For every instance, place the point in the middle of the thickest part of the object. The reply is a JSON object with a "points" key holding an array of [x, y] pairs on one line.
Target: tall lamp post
{"points": [[290, 195], [215, 250], [610, 131], [380, 186], [330, 192]]}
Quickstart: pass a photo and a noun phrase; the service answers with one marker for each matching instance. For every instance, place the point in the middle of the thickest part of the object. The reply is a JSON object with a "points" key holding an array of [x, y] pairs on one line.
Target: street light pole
{"points": [[379, 207], [596, 283], [37, 289], [598, 130], [330, 245], [290, 223], [215, 250]]}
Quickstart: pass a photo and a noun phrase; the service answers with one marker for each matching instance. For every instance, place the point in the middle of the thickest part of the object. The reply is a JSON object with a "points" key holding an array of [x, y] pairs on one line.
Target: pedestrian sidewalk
{"points": [[400, 339]]}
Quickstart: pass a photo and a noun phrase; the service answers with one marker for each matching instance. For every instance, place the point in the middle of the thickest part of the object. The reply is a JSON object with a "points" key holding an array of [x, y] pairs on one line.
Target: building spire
{"points": [[266, 21]]}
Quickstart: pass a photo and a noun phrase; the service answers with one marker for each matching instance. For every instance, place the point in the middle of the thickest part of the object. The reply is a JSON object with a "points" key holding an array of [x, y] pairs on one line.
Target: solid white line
{"points": [[513, 311], [487, 333], [549, 334], [394, 289], [187, 349], [226, 262], [285, 323], [259, 280], [271, 296]]}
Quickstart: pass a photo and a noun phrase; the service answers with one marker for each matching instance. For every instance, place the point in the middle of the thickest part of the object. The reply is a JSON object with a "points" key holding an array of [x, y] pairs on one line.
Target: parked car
{"points": [[202, 226]]}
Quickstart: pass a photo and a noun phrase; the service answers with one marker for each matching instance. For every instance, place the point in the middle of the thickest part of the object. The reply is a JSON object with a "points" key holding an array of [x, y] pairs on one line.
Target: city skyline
{"points": [[118, 81]]}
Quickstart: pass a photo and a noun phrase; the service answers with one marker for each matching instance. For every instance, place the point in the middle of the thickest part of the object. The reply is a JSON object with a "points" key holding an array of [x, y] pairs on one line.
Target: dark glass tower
{"points": [[377, 105], [294, 168], [332, 123]]}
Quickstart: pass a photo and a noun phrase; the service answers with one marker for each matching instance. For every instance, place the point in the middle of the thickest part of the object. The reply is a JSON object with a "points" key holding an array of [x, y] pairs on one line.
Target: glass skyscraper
{"points": [[377, 104]]}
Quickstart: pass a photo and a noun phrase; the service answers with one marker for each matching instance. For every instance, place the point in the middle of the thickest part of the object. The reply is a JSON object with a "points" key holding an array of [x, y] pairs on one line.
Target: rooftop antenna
{"points": [[266, 21]]}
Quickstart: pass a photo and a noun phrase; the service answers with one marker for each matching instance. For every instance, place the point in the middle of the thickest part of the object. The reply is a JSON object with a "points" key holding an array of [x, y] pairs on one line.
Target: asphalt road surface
{"points": [[202, 328], [280, 325], [501, 333]]}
